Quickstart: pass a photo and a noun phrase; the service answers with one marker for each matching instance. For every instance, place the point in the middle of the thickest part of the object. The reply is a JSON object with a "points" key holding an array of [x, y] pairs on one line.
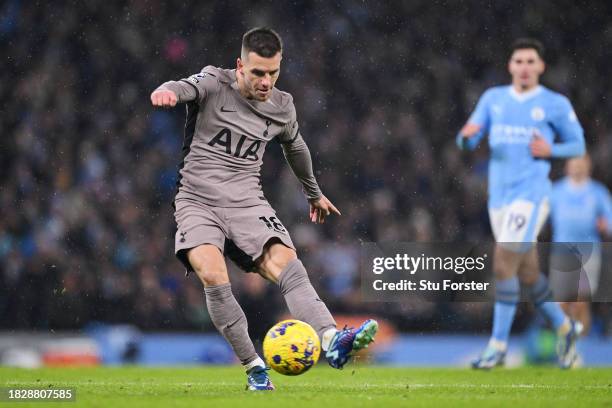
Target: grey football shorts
{"points": [[240, 233]]}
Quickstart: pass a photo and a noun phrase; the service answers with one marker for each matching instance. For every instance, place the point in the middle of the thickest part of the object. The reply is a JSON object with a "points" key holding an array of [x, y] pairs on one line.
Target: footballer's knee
{"points": [[208, 263], [274, 260]]}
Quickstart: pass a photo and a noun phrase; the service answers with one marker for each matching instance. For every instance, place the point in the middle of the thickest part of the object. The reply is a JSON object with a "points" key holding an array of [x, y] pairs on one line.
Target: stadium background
{"points": [[88, 167]]}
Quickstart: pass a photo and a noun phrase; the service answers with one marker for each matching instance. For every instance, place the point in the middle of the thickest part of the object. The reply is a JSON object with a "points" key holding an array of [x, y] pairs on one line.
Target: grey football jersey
{"points": [[225, 138]]}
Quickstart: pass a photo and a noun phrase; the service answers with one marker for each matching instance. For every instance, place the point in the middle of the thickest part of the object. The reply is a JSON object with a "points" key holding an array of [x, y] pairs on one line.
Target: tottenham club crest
{"points": [[537, 114]]}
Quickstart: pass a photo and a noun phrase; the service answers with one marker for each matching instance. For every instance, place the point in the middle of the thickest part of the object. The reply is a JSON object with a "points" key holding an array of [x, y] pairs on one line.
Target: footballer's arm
{"points": [[168, 94], [470, 135], [569, 132], [298, 156]]}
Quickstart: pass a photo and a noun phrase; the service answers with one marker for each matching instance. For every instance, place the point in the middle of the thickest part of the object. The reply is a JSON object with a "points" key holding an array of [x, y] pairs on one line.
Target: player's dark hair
{"points": [[527, 44], [263, 41]]}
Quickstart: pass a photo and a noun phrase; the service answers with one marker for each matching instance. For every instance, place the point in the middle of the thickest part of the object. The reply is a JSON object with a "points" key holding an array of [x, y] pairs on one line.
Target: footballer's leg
{"points": [[568, 331], [507, 292], [226, 314], [259, 233], [579, 311], [280, 264], [516, 227], [579, 308], [511, 224], [539, 290], [199, 239]]}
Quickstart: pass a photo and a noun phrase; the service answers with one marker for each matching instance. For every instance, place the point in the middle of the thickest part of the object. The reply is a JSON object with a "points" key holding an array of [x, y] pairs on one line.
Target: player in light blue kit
{"points": [[527, 124], [581, 212]]}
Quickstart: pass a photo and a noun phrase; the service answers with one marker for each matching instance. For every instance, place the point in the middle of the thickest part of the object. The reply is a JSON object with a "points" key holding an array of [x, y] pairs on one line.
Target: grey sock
{"points": [[229, 319], [302, 300]]}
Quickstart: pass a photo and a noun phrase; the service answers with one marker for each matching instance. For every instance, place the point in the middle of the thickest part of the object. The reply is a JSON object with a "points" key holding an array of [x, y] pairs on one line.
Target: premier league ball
{"points": [[291, 347]]}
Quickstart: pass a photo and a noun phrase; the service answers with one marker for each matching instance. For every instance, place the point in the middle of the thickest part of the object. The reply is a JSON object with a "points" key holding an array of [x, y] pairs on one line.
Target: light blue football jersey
{"points": [[576, 208], [510, 119]]}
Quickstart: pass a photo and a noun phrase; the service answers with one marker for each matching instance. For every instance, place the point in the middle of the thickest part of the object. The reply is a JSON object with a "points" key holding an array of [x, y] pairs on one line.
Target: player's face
{"points": [[258, 75], [578, 168], [525, 66]]}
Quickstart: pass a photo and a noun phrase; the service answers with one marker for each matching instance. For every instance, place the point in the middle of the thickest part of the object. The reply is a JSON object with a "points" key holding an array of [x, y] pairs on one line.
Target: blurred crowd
{"points": [[88, 168]]}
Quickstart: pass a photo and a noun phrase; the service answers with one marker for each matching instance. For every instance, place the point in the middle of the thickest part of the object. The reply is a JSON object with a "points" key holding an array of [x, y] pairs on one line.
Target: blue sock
{"points": [[506, 298], [542, 297]]}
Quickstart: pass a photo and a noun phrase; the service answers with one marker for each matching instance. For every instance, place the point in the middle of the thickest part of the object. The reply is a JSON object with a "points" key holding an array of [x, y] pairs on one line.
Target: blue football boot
{"points": [[347, 342], [258, 380]]}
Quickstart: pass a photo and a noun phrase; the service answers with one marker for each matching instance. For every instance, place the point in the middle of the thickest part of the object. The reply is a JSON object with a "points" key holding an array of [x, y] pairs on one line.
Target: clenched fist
{"points": [[539, 147], [164, 98]]}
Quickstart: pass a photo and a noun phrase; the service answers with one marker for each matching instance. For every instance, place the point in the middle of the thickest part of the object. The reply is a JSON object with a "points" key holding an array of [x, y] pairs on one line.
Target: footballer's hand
{"points": [[164, 98], [469, 130], [321, 208], [539, 147]]}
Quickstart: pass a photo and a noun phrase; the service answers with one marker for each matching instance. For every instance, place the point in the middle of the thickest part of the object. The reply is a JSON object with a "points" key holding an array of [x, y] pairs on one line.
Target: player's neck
{"points": [[242, 88], [578, 182], [521, 89]]}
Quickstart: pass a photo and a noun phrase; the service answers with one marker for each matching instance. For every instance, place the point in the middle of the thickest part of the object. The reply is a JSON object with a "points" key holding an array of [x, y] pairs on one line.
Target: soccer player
{"points": [[527, 125], [581, 213], [220, 207]]}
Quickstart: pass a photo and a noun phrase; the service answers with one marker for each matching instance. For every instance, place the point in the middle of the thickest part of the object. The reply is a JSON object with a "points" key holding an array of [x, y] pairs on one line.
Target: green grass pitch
{"points": [[322, 387]]}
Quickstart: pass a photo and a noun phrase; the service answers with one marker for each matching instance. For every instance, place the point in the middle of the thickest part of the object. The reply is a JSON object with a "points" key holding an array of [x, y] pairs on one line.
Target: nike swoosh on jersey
{"points": [[227, 110]]}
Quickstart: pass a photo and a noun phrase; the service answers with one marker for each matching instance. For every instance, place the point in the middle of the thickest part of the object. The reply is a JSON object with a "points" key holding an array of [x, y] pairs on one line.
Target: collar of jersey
{"points": [[573, 186], [522, 97]]}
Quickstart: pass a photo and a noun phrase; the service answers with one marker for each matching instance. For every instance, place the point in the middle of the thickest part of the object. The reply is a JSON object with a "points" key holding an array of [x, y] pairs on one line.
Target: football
{"points": [[291, 347]]}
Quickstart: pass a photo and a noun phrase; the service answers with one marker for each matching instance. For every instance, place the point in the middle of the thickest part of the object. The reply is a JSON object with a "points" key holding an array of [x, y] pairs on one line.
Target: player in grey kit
{"points": [[220, 207]]}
